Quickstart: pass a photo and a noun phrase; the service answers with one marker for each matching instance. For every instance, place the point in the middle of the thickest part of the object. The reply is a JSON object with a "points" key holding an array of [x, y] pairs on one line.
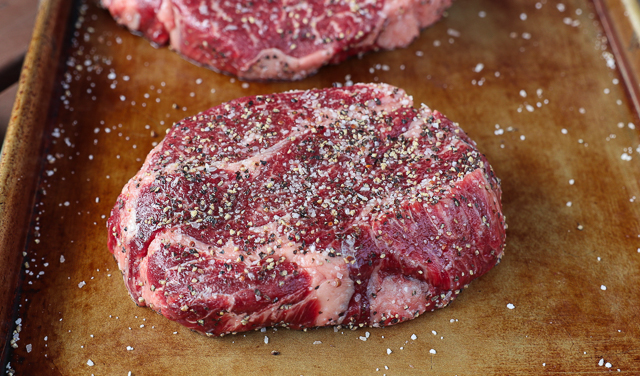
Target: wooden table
{"points": [[16, 24]]}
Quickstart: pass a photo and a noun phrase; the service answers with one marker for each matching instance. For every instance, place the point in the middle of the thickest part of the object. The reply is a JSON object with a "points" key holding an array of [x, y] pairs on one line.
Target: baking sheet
{"points": [[535, 84]]}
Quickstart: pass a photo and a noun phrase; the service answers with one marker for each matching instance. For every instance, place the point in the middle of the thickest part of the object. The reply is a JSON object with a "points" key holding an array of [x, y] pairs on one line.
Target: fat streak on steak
{"points": [[343, 206], [278, 39]]}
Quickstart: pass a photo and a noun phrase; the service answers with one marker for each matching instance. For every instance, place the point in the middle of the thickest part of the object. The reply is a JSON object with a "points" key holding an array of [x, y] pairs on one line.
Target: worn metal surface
{"points": [[536, 88]]}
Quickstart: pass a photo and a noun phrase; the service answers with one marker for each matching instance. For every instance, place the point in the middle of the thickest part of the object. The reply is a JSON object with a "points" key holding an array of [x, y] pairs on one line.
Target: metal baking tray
{"points": [[547, 89]]}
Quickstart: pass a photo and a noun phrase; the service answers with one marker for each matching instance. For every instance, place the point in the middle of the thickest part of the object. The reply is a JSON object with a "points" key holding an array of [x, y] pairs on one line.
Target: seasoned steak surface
{"points": [[279, 39], [343, 206]]}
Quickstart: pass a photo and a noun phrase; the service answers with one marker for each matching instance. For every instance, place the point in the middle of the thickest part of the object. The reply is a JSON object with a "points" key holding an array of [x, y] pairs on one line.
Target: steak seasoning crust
{"points": [[276, 39], [343, 206]]}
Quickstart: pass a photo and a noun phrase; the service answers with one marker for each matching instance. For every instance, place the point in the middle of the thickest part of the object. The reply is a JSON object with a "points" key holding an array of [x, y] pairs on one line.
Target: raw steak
{"points": [[278, 39], [343, 206]]}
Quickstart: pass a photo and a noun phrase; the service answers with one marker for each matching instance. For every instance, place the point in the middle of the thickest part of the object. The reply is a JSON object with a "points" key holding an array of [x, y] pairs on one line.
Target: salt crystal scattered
{"points": [[479, 67], [266, 339], [569, 203], [389, 351], [523, 93], [90, 363], [603, 287], [414, 337], [432, 351], [608, 365], [560, 7], [29, 347], [571, 181], [317, 342], [601, 362], [81, 284], [453, 32], [510, 306], [523, 16], [129, 348]]}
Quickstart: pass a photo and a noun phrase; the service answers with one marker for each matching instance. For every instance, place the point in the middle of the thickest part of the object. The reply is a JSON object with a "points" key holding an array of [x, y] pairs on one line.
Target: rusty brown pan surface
{"points": [[538, 87]]}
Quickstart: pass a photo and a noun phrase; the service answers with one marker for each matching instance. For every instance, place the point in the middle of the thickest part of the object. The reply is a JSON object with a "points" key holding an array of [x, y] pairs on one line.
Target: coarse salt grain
{"points": [[266, 339], [389, 351], [510, 306], [414, 337], [432, 351], [90, 363], [603, 287], [81, 284]]}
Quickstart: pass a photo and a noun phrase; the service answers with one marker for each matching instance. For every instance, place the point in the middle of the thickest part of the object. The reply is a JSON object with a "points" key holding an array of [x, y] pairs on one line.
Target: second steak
{"points": [[280, 39]]}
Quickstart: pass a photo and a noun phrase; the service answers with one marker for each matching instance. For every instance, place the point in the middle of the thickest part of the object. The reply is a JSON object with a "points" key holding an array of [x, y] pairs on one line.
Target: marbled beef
{"points": [[344, 206], [277, 39]]}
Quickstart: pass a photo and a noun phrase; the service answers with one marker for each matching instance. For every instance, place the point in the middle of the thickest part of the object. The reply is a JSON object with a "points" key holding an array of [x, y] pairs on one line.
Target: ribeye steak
{"points": [[343, 206], [277, 39]]}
